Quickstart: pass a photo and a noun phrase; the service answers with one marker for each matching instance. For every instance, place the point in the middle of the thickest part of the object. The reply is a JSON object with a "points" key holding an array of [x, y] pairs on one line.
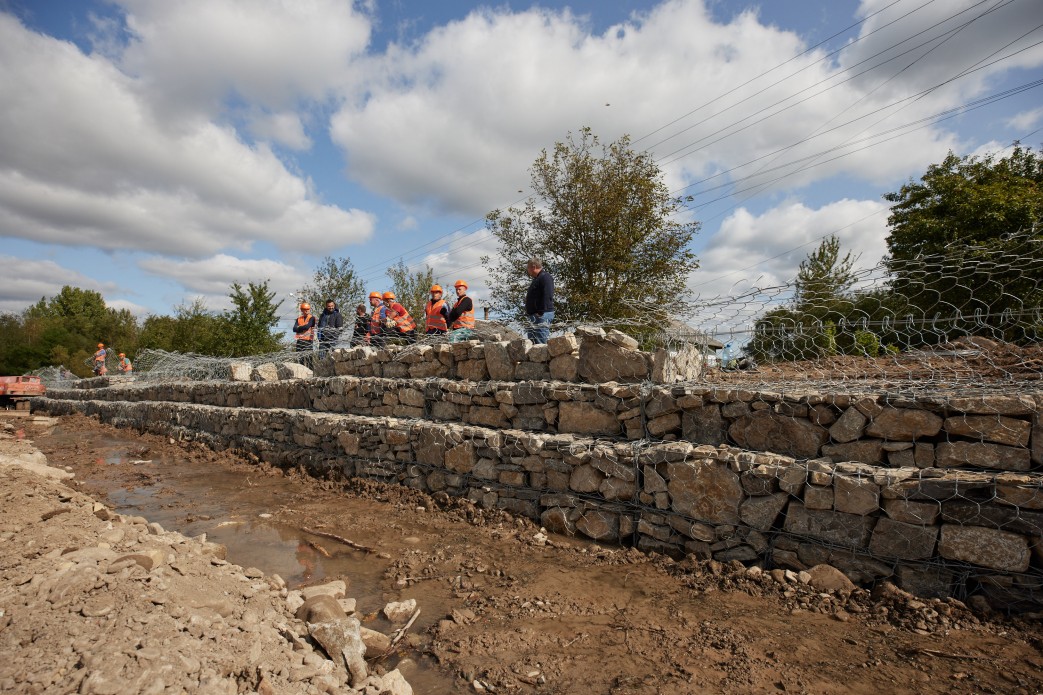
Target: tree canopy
{"points": [[336, 279], [604, 223]]}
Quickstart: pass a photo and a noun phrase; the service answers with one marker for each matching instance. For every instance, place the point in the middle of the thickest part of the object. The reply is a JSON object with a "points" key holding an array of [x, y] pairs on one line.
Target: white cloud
{"points": [[752, 260], [84, 163], [213, 276], [194, 54], [458, 117], [26, 281], [461, 260], [284, 128], [137, 310], [1026, 119]]}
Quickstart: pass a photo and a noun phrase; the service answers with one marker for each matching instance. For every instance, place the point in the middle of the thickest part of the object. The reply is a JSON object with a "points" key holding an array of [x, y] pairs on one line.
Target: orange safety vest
{"points": [[374, 320], [466, 319], [435, 319], [99, 356], [125, 365], [401, 317], [308, 334]]}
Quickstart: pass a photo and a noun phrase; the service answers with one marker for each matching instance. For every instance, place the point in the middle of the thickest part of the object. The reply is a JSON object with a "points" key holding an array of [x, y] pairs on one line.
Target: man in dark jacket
{"points": [[358, 337], [330, 325], [539, 302]]}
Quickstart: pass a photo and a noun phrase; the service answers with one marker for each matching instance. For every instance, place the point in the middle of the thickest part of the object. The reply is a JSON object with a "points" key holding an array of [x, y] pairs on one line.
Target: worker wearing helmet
{"points": [[437, 313], [304, 329], [375, 334], [461, 318], [125, 366], [539, 302], [397, 319], [99, 361]]}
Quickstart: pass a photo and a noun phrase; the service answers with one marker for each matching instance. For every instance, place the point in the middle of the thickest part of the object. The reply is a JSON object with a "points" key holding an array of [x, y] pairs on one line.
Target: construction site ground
{"points": [[508, 609]]}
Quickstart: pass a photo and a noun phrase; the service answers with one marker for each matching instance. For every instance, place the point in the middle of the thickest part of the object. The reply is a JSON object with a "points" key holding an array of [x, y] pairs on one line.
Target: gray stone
{"points": [[928, 582], [560, 520], [531, 371], [704, 425], [990, 428], [564, 367], [538, 353], [617, 489], [663, 424], [470, 370], [985, 547], [585, 478], [585, 418], [517, 349], [856, 565], [829, 578], [461, 458], [836, 527], [981, 455], [761, 512], [400, 611], [904, 424], [599, 525], [672, 366], [849, 427], [992, 405], [764, 430], [706, 490], [864, 451], [562, 345], [602, 361], [292, 370], [394, 683], [903, 541], [816, 497], [993, 516], [910, 512], [855, 495], [239, 371], [265, 372]]}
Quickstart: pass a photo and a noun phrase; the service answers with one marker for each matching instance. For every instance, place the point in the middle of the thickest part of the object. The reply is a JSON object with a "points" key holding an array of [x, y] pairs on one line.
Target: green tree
{"points": [[336, 279], [603, 222], [413, 289], [248, 326], [824, 278], [965, 245], [192, 328]]}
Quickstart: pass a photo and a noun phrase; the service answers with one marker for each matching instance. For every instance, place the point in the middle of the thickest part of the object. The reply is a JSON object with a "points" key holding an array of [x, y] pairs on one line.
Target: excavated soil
{"points": [[507, 609]]}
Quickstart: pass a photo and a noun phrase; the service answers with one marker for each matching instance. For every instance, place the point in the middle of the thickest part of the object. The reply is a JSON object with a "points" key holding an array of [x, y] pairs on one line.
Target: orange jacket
{"points": [[436, 313], [403, 321], [466, 319]]}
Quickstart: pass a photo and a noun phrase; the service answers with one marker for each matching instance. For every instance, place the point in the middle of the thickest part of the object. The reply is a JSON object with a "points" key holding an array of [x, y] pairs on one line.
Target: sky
{"points": [[159, 150]]}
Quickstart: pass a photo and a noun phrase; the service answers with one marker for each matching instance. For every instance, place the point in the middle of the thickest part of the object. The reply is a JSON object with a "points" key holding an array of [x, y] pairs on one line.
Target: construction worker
{"points": [[437, 313], [304, 329], [375, 335], [461, 318], [125, 366], [397, 320], [99, 361]]}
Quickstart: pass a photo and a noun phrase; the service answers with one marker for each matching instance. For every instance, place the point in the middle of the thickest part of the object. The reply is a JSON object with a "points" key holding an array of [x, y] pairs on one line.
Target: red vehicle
{"points": [[17, 390]]}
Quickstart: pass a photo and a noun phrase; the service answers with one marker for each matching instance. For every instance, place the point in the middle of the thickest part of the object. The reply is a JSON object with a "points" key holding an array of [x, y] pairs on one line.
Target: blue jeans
{"points": [[539, 329]]}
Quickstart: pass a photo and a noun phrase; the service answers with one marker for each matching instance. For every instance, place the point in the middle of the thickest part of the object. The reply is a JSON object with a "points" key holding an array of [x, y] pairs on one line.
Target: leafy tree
{"points": [[603, 222], [824, 278], [965, 243], [248, 326], [336, 279], [413, 289], [192, 328]]}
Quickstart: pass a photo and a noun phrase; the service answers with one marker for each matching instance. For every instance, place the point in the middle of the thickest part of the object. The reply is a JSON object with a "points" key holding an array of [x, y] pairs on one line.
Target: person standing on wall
{"points": [[397, 319], [330, 325], [304, 329], [358, 335], [437, 313], [461, 318], [375, 334], [125, 366], [539, 302], [99, 361]]}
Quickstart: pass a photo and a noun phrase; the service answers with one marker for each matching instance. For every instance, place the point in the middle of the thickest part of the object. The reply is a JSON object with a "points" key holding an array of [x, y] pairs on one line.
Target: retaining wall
{"points": [[935, 531]]}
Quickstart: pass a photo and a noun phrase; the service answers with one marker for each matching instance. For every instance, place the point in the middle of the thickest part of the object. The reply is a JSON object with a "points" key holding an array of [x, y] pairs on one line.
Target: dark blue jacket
{"points": [[330, 323], [539, 299]]}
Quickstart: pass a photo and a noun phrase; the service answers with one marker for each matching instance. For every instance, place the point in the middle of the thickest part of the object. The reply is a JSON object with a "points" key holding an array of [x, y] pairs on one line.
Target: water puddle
{"points": [[238, 511]]}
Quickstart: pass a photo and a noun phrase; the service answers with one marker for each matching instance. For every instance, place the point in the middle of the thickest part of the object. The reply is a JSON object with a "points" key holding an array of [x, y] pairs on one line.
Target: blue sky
{"points": [[159, 150]]}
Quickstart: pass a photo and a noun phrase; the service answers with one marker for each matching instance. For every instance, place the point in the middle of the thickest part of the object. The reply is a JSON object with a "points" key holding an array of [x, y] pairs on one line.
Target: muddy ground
{"points": [[506, 609]]}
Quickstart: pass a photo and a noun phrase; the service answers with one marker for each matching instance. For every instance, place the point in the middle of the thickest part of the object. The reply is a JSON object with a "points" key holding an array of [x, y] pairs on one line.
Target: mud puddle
{"points": [[242, 512]]}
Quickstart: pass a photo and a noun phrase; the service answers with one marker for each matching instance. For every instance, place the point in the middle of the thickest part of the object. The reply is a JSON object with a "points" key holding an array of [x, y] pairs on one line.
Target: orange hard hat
{"points": [[436, 288], [460, 283], [101, 344], [374, 294], [305, 305], [389, 295]]}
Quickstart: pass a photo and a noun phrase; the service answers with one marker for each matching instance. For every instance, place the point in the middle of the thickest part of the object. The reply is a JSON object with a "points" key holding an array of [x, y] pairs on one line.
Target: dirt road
{"points": [[507, 609]]}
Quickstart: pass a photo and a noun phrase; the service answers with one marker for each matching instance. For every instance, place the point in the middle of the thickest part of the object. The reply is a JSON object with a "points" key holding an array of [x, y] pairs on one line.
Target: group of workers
{"points": [[101, 369], [386, 319]]}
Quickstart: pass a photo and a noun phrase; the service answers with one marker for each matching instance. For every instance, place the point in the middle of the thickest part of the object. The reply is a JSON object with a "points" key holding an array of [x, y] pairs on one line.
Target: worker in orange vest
{"points": [[99, 361], [376, 333], [125, 366], [397, 320], [461, 318], [304, 329], [437, 313]]}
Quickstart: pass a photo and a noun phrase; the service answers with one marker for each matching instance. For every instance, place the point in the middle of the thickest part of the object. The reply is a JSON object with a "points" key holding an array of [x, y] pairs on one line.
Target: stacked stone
{"points": [[924, 526]]}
